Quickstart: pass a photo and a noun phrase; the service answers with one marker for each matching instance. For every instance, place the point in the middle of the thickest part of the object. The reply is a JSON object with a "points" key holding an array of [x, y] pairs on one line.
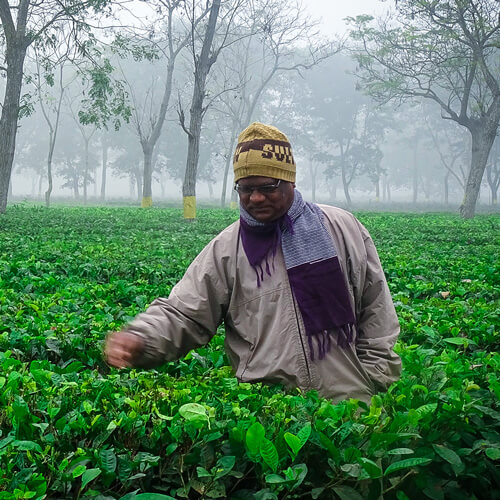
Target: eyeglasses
{"points": [[263, 189]]}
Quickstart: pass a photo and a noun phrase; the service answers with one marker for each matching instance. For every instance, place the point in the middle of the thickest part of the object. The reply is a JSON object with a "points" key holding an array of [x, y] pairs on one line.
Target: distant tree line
{"points": [[163, 98]]}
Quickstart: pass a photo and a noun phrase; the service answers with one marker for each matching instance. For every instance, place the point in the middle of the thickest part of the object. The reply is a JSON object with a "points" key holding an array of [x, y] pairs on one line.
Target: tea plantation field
{"points": [[72, 428]]}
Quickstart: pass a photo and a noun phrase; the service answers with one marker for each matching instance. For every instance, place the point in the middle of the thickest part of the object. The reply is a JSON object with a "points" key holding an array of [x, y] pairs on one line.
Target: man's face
{"points": [[266, 207]]}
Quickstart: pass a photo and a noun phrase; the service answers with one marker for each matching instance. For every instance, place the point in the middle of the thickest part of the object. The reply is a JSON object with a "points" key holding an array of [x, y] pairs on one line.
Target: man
{"points": [[299, 287]]}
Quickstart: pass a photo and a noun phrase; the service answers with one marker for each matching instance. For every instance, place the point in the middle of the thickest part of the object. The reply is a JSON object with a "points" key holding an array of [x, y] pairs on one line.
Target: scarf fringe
{"points": [[345, 335], [323, 340]]}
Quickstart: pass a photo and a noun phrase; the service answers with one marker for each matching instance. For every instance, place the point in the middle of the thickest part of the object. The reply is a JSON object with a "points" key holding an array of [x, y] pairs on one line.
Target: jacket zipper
{"points": [[301, 340]]}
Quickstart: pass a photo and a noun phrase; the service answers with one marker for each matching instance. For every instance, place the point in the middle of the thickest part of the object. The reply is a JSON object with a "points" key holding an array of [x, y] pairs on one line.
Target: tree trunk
{"points": [[10, 116], [52, 143], [131, 186], [229, 158], [446, 188], [482, 141], [104, 168], [163, 180], [415, 174], [493, 172], [493, 176], [189, 185], [148, 145], [49, 168], [139, 184], [234, 200], [203, 63], [426, 187], [210, 189], [86, 172], [94, 173], [147, 185], [332, 189], [377, 190], [346, 186], [40, 183], [75, 186], [52, 136]]}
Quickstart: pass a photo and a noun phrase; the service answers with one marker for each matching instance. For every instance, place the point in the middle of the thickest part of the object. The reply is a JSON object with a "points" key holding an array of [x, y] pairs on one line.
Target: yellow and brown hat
{"points": [[264, 151]]}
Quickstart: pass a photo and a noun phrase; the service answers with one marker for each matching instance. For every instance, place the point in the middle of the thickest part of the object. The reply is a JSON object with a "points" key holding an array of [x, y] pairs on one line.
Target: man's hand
{"points": [[122, 348]]}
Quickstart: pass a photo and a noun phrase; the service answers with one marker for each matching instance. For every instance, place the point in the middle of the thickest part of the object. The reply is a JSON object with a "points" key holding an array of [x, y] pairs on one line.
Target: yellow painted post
{"points": [[147, 201], [189, 203]]}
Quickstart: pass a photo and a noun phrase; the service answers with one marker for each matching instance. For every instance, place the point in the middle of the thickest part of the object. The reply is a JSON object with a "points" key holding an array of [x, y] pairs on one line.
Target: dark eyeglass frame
{"points": [[264, 189]]}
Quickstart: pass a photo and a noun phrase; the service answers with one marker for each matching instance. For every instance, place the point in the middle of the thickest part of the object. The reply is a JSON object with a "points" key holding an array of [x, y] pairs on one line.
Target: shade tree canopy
{"points": [[447, 52]]}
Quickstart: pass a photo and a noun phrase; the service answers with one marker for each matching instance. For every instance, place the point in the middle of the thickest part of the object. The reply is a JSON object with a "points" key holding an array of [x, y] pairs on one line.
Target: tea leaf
{"points": [[269, 454], [347, 493], [194, 412], [449, 455], [400, 451], [78, 471], [374, 470], [89, 475], [26, 445], [148, 496], [254, 436], [293, 442], [493, 453], [406, 464], [304, 434], [108, 460]]}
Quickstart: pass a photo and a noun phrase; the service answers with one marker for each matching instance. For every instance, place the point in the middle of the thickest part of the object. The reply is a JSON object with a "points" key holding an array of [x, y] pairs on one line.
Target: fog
{"points": [[352, 148]]}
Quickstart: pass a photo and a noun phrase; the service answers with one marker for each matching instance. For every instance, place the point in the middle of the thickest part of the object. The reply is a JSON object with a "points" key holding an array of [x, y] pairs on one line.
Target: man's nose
{"points": [[256, 196]]}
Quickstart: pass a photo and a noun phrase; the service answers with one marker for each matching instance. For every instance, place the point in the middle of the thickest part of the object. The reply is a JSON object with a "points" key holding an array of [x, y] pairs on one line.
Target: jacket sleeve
{"points": [[190, 316], [378, 325]]}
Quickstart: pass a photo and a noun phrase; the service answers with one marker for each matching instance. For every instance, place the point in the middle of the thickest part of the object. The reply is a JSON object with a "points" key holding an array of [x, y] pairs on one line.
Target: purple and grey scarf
{"points": [[313, 269]]}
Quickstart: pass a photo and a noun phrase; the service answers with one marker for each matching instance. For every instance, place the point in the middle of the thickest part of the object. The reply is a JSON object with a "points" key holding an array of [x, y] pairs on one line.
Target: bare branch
{"points": [[182, 119]]}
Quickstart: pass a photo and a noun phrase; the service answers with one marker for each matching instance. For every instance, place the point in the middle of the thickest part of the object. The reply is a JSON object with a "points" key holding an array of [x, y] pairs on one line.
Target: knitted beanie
{"points": [[263, 150]]}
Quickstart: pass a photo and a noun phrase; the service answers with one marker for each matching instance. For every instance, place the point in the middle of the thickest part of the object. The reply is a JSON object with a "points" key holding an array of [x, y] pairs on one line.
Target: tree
{"points": [[22, 24], [349, 127], [447, 52], [148, 129], [204, 58], [106, 143], [451, 145], [86, 132], [30, 143], [50, 102], [127, 163], [493, 171]]}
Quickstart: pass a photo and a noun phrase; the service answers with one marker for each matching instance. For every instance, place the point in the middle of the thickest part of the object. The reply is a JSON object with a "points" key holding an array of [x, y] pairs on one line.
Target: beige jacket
{"points": [[265, 337]]}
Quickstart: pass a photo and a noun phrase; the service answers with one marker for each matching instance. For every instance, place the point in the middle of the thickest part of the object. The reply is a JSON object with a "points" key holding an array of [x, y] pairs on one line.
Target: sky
{"points": [[332, 12]]}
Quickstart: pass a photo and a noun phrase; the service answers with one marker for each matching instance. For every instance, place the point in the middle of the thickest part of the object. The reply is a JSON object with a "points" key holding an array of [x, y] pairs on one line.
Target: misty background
{"points": [[290, 64]]}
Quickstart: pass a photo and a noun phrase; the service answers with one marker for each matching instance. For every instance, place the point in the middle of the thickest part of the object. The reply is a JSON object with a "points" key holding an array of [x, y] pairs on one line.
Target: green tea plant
{"points": [[71, 427]]}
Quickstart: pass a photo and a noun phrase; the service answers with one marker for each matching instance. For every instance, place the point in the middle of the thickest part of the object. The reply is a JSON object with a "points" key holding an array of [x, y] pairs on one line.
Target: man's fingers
{"points": [[118, 362], [121, 348]]}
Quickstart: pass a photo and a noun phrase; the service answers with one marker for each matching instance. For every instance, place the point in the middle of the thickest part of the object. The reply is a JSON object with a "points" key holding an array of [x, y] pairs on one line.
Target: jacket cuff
{"points": [[149, 356]]}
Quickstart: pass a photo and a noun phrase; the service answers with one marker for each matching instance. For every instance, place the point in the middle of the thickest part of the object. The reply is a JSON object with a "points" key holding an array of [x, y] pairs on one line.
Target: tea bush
{"points": [[71, 427]]}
